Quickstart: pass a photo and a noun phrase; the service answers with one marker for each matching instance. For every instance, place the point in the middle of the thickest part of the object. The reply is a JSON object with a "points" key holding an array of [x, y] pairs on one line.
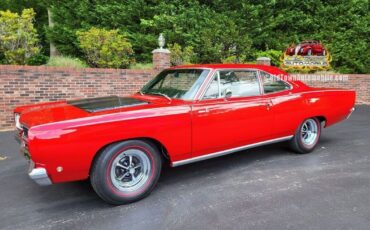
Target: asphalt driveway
{"points": [[262, 188]]}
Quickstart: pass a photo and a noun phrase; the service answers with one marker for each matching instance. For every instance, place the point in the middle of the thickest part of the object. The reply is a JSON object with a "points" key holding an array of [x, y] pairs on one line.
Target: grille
{"points": [[25, 132]]}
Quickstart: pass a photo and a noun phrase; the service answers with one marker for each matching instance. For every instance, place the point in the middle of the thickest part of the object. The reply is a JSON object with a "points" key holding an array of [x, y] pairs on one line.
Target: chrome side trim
{"points": [[228, 151], [39, 175], [350, 112]]}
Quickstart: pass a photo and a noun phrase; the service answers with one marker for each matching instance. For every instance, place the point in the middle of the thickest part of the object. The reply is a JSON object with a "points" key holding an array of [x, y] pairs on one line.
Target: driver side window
{"points": [[233, 83]]}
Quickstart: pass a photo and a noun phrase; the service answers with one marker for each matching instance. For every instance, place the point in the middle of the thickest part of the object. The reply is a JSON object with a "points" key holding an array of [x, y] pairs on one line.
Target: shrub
{"points": [[274, 55], [2, 58], [38, 59], [61, 61], [179, 55], [234, 59], [141, 66], [18, 37], [105, 48]]}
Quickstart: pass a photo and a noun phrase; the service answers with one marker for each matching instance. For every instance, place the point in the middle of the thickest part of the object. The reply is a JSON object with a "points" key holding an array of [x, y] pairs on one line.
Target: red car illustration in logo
{"points": [[306, 48]]}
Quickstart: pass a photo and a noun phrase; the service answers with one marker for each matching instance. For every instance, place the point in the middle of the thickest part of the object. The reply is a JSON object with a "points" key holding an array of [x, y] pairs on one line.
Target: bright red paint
{"points": [[66, 136]]}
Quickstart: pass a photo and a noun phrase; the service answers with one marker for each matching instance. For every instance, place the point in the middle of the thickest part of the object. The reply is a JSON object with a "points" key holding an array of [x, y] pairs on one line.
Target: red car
{"points": [[307, 48], [185, 114]]}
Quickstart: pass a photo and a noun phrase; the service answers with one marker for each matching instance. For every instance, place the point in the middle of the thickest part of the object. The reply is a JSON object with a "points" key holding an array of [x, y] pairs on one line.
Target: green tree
{"points": [[218, 30], [72, 16], [213, 35], [18, 37], [179, 55], [41, 17], [105, 48]]}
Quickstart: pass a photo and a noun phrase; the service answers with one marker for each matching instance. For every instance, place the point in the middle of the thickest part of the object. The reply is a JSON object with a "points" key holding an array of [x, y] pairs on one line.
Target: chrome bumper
{"points": [[18, 138], [350, 112], [39, 175]]}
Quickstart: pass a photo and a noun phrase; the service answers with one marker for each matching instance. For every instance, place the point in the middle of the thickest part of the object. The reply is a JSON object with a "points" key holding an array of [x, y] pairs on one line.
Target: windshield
{"points": [[176, 83]]}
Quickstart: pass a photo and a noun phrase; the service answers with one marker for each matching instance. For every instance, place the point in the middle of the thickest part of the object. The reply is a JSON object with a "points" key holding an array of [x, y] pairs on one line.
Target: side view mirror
{"points": [[228, 93]]}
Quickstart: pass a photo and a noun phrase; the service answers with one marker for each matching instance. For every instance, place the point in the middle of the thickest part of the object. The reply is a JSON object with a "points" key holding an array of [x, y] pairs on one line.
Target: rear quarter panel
{"points": [[333, 104], [290, 109]]}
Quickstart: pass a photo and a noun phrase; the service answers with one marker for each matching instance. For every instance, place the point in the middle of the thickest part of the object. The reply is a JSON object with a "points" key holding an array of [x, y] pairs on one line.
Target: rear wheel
{"points": [[307, 136], [126, 172]]}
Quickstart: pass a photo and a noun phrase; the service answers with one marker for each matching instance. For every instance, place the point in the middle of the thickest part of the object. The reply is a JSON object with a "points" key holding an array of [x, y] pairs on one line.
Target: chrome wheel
{"points": [[130, 170], [309, 132]]}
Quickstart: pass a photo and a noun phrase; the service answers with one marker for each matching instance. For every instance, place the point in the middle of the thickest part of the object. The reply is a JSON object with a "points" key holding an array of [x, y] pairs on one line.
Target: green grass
{"points": [[64, 61], [141, 66]]}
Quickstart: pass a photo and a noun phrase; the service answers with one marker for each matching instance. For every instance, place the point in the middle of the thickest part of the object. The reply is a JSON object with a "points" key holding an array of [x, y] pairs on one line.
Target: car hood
{"points": [[105, 103], [44, 113]]}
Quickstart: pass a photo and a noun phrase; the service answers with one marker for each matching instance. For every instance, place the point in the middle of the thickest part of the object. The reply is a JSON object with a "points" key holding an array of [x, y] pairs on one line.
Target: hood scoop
{"points": [[105, 103]]}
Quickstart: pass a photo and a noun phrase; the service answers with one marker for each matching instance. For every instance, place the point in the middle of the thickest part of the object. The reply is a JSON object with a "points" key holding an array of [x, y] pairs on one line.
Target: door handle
{"points": [[268, 105]]}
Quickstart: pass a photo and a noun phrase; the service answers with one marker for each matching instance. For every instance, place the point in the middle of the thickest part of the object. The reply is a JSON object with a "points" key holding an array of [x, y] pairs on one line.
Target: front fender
{"points": [[73, 144]]}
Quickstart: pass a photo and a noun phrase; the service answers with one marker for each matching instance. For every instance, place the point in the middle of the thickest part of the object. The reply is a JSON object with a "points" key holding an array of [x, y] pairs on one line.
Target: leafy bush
{"points": [[274, 55], [61, 61], [2, 58], [18, 37], [213, 28], [234, 59], [179, 55], [38, 59], [105, 48], [141, 66]]}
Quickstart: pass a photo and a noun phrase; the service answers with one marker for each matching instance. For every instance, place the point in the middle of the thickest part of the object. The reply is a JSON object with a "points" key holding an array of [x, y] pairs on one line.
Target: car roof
{"points": [[270, 69]]}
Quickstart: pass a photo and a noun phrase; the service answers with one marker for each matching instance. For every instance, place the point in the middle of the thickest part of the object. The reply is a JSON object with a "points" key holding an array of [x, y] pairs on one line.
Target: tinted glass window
{"points": [[233, 83], [272, 84], [177, 83], [213, 89]]}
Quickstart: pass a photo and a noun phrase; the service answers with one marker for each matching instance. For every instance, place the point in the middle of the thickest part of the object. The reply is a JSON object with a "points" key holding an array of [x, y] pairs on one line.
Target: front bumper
{"points": [[39, 175], [350, 112], [17, 137]]}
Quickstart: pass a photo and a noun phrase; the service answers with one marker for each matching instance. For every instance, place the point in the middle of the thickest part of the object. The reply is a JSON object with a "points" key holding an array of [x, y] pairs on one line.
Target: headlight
{"points": [[17, 117]]}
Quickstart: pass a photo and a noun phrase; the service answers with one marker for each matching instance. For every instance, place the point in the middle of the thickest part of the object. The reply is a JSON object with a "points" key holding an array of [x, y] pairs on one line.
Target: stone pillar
{"points": [[161, 58], [264, 61]]}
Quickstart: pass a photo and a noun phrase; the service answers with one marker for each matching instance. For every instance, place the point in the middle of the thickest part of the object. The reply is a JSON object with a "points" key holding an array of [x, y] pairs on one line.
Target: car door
{"points": [[287, 107], [230, 114]]}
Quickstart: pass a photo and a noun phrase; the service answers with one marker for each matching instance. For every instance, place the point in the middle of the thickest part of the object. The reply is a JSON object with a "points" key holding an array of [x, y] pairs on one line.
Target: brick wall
{"points": [[358, 82], [21, 85]]}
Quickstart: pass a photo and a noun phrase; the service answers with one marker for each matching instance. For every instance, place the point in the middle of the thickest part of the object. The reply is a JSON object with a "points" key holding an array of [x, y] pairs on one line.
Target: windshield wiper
{"points": [[158, 93]]}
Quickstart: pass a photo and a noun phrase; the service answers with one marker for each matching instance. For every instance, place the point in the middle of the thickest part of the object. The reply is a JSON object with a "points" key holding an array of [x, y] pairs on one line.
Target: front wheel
{"points": [[126, 172], [307, 136]]}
